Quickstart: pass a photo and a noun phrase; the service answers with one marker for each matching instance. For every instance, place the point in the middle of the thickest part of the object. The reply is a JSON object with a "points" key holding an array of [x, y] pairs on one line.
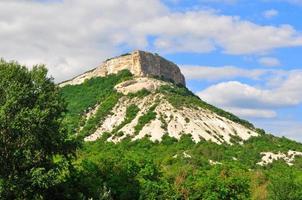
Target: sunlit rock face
{"points": [[139, 63]]}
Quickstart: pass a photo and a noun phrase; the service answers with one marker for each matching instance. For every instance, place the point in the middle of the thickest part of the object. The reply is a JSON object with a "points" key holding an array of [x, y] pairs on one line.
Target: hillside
{"points": [[142, 105], [149, 138]]}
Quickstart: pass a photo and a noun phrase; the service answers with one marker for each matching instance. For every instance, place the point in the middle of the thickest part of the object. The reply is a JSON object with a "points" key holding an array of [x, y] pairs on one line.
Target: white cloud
{"points": [[220, 73], [209, 30], [245, 100], [270, 13], [254, 113], [72, 36], [269, 61]]}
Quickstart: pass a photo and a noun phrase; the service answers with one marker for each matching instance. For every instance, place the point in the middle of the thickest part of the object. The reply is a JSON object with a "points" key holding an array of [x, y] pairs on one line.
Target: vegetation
{"points": [[157, 172], [40, 160], [34, 148], [285, 183]]}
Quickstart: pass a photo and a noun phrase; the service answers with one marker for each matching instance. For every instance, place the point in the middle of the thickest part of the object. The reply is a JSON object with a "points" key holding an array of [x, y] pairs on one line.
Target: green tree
{"points": [[34, 148], [223, 182], [285, 183]]}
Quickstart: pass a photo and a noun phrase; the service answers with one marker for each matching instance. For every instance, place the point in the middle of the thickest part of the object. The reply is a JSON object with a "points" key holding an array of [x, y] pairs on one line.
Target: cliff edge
{"points": [[139, 63]]}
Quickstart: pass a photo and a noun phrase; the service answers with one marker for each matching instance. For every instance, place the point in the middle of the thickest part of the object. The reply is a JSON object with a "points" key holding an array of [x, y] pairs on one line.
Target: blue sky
{"points": [[243, 56]]}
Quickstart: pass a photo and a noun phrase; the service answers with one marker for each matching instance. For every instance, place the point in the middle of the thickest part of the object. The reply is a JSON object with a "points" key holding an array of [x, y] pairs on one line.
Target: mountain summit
{"points": [[139, 63]]}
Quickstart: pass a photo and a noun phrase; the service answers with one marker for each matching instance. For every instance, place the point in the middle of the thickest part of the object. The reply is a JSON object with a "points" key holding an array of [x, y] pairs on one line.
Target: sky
{"points": [[240, 55]]}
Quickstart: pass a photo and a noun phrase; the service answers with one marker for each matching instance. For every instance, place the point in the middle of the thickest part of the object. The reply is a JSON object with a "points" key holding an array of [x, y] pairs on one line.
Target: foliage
{"points": [[285, 183], [31, 134], [159, 173], [223, 182]]}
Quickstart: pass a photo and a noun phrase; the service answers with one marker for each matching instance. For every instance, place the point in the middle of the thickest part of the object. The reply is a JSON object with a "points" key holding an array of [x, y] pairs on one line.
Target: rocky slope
{"points": [[202, 124]]}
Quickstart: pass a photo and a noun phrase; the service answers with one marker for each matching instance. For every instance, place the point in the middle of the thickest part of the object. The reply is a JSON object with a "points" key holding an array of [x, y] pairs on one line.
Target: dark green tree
{"points": [[34, 148]]}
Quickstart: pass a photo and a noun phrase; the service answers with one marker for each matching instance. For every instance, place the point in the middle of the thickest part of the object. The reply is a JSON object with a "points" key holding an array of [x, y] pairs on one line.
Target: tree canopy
{"points": [[33, 144]]}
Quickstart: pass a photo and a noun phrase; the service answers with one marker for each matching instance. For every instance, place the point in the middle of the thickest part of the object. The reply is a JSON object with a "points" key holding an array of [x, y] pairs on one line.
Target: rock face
{"points": [[139, 63]]}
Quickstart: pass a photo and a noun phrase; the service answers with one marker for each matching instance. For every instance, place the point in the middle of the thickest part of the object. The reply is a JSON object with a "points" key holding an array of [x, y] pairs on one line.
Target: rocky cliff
{"points": [[139, 63]]}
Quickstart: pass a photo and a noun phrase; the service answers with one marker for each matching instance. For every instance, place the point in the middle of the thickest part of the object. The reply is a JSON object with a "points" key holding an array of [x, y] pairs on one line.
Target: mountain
{"points": [[162, 108], [147, 134]]}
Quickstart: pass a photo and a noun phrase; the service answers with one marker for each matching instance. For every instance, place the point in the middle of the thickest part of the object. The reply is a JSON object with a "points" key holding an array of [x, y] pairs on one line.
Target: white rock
{"points": [[212, 162], [269, 157], [186, 155], [137, 84]]}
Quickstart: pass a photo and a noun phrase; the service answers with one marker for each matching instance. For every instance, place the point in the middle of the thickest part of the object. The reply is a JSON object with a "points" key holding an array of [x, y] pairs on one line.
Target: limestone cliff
{"points": [[139, 63]]}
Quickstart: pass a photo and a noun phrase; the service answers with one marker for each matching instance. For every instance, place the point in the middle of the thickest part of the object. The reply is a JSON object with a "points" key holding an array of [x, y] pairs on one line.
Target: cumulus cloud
{"points": [[219, 73], [268, 14], [245, 100], [72, 36], [210, 30], [269, 61], [254, 113]]}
